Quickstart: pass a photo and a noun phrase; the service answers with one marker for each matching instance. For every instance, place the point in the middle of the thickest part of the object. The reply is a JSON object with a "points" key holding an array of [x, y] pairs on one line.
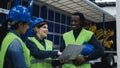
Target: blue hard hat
{"points": [[88, 49], [30, 31], [37, 21], [19, 13]]}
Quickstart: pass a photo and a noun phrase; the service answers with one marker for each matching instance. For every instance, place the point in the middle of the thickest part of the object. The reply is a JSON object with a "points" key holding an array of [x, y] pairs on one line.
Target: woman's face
{"points": [[42, 31]]}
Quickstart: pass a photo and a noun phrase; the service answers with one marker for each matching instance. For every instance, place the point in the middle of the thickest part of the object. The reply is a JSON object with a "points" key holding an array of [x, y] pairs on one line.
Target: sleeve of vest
{"points": [[90, 34]]}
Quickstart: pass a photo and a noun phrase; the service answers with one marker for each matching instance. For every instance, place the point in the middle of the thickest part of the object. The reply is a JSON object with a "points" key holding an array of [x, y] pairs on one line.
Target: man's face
{"points": [[75, 22], [24, 28]]}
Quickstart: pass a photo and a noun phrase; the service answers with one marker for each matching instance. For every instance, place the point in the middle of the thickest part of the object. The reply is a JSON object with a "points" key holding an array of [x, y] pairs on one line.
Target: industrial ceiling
{"points": [[91, 11]]}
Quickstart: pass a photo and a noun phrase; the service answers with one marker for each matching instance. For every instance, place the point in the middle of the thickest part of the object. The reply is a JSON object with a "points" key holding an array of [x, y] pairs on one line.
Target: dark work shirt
{"points": [[99, 49], [40, 54]]}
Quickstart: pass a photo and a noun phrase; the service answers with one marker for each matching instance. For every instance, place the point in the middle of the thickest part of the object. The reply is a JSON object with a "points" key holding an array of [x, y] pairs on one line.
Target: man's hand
{"points": [[65, 60], [79, 60]]}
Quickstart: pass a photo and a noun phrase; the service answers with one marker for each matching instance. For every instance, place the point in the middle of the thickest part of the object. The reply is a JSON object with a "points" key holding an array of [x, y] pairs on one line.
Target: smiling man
{"points": [[79, 36]]}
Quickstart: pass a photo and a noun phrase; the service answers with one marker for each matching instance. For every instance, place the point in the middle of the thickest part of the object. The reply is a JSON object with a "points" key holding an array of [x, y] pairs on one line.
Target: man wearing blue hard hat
{"points": [[80, 36], [13, 51], [39, 46]]}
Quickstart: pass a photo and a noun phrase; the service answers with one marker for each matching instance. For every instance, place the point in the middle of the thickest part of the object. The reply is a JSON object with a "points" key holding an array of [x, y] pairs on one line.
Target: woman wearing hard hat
{"points": [[41, 48], [13, 51]]}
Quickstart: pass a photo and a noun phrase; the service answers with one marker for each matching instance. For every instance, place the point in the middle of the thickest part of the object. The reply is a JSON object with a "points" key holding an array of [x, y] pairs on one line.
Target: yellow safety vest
{"points": [[69, 38], [37, 63], [5, 44]]}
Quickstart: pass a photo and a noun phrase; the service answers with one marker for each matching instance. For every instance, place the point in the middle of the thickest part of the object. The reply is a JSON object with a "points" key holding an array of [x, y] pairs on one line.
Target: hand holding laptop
{"points": [[71, 52]]}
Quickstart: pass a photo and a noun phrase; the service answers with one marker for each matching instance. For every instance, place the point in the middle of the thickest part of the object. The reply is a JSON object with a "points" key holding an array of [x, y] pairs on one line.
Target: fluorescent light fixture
{"points": [[105, 0]]}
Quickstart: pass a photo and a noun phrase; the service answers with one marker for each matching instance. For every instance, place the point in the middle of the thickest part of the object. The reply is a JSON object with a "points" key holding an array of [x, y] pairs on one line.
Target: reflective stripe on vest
{"points": [[69, 38], [39, 61], [5, 44], [35, 61]]}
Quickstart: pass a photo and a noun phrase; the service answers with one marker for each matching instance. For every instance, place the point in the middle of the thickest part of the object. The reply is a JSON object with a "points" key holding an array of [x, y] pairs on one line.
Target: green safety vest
{"points": [[69, 38], [5, 44], [37, 63]]}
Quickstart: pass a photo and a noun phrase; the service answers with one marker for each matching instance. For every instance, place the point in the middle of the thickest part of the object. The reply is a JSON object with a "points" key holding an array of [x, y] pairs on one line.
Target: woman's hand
{"points": [[59, 53]]}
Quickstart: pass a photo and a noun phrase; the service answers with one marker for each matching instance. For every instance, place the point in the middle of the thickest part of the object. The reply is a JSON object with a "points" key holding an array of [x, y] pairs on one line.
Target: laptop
{"points": [[71, 51]]}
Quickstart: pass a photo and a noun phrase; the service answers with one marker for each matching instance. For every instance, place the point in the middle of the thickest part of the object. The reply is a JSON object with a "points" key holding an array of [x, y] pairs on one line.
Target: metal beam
{"points": [[118, 32]]}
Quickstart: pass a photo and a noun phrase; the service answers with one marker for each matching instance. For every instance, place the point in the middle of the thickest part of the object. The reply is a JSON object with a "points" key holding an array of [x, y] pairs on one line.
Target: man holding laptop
{"points": [[81, 36]]}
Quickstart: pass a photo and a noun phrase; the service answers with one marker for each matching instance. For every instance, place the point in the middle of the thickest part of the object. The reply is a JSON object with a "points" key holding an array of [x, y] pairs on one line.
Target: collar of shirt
{"points": [[42, 41], [39, 39], [12, 31], [77, 32]]}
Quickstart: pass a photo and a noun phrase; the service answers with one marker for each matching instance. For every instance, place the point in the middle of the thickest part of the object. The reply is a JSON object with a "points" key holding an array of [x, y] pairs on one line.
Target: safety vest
{"points": [[38, 63], [5, 44], [69, 38]]}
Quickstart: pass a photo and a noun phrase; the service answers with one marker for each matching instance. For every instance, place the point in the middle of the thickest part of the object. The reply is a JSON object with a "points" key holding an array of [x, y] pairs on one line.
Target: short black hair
{"points": [[81, 16]]}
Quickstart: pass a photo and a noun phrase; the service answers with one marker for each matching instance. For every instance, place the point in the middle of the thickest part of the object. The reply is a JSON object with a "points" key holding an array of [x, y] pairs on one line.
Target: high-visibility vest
{"points": [[5, 44], [69, 38], [38, 63]]}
